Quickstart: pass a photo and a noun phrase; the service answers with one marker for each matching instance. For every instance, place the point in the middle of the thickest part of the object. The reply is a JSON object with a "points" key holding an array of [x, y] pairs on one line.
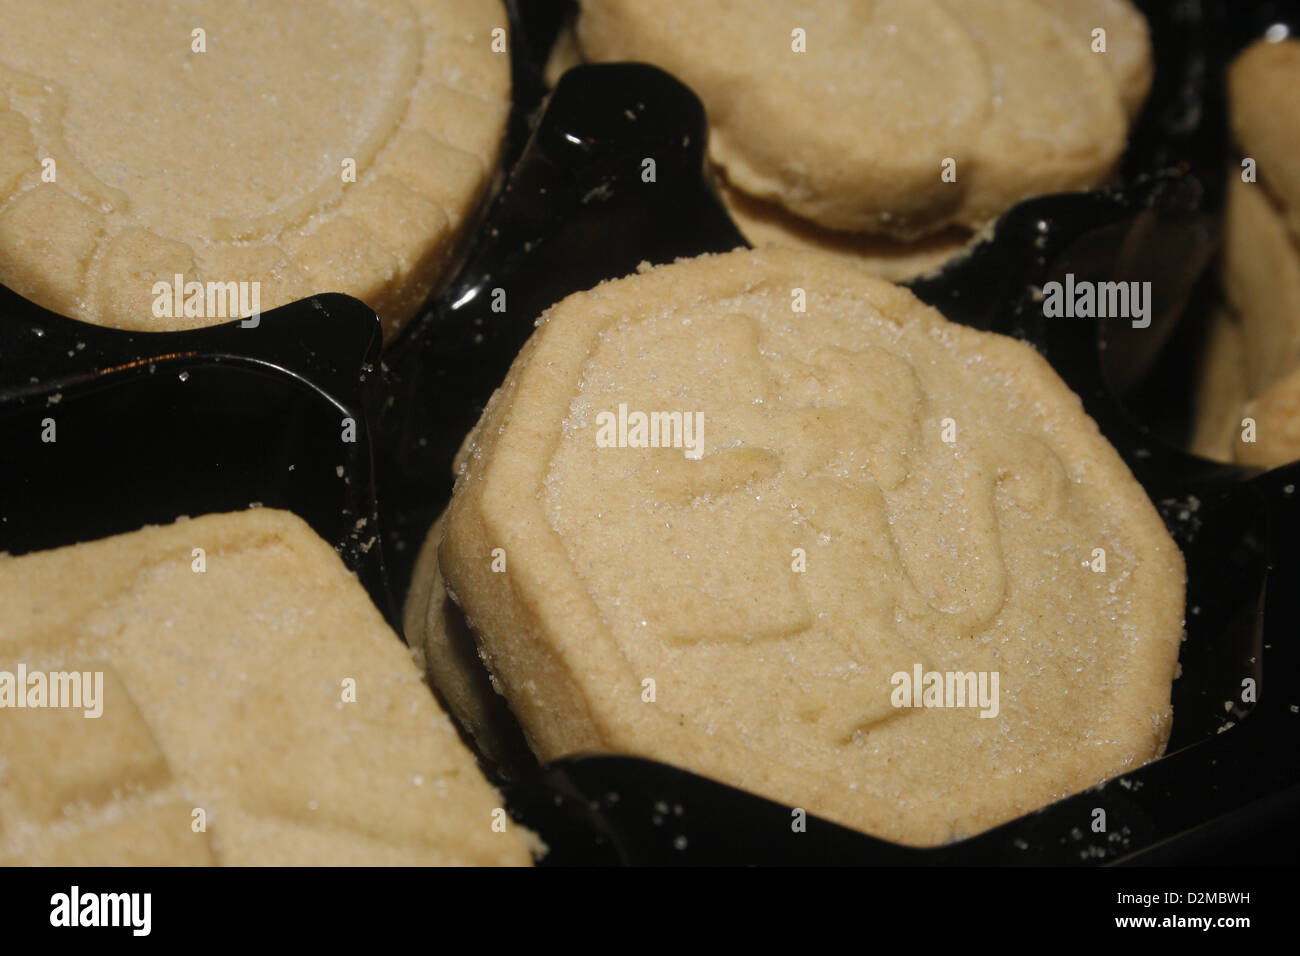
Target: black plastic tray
{"points": [[154, 425]]}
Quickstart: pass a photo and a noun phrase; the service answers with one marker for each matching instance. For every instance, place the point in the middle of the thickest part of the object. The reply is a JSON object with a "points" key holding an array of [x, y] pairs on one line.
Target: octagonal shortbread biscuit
{"points": [[239, 700], [859, 492], [328, 147]]}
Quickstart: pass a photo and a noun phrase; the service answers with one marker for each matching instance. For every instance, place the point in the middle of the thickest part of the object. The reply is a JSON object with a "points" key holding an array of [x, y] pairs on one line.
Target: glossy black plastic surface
{"points": [[147, 427]]}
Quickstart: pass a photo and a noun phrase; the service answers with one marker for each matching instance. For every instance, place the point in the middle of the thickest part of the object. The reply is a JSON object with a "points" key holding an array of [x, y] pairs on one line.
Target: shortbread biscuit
{"points": [[1220, 389], [1262, 84], [255, 709], [1276, 413], [900, 118], [235, 163], [443, 645], [1260, 273], [767, 224], [1259, 269], [1128, 42], [853, 132], [878, 490]]}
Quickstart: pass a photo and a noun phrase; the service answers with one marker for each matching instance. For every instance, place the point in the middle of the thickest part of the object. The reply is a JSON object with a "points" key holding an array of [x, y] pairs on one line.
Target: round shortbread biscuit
{"points": [[877, 490], [850, 134], [1000, 100], [218, 141]]}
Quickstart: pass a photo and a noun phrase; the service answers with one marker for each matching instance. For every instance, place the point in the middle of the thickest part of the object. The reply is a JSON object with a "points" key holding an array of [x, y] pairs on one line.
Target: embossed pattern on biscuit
{"points": [[57, 759], [225, 691], [49, 241], [17, 151], [237, 155], [89, 791]]}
